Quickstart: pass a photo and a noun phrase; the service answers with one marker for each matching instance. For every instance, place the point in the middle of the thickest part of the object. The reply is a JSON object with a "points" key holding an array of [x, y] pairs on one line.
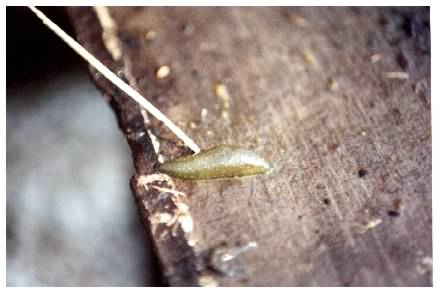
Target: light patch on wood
{"points": [[375, 58], [180, 215], [163, 71], [182, 218], [146, 205], [204, 114], [109, 32], [159, 218], [222, 92], [297, 20], [186, 223], [221, 258], [154, 140], [373, 223], [396, 75], [309, 57], [150, 35], [225, 115], [156, 145], [207, 280], [425, 265], [192, 125], [145, 116], [168, 190], [145, 180]]}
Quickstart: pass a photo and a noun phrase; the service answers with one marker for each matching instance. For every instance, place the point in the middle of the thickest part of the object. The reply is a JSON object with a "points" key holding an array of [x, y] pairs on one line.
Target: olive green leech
{"points": [[218, 162]]}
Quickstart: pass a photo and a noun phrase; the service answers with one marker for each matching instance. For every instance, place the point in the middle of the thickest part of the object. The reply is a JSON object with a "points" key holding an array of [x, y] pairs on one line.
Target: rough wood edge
{"points": [[163, 209]]}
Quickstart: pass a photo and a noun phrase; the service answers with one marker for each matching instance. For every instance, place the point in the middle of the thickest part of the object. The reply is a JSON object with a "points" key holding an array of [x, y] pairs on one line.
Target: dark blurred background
{"points": [[71, 218]]}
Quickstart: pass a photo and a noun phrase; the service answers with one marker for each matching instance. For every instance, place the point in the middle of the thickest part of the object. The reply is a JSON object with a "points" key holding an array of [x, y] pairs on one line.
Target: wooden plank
{"points": [[338, 99]]}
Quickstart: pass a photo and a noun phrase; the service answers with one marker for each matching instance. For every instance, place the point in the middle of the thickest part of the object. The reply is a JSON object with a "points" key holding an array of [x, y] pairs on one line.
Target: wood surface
{"points": [[337, 99]]}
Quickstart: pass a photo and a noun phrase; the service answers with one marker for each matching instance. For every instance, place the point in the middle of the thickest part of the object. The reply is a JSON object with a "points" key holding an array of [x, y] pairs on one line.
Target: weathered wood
{"points": [[313, 90]]}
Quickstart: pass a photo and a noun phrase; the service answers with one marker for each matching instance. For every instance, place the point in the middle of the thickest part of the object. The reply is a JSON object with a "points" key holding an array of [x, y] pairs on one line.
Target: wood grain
{"points": [[310, 89]]}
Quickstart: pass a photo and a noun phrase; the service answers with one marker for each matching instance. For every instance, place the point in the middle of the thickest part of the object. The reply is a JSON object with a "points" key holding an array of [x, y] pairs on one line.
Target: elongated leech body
{"points": [[218, 162]]}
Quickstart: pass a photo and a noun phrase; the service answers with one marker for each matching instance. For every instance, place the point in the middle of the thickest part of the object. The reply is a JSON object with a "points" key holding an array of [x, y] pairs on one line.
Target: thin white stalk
{"points": [[116, 80]]}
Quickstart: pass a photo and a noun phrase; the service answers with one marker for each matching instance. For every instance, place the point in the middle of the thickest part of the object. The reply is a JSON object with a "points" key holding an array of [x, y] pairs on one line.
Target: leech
{"points": [[218, 162]]}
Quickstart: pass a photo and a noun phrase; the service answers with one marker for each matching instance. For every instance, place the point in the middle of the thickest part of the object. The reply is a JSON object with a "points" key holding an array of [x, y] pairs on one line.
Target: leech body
{"points": [[218, 162]]}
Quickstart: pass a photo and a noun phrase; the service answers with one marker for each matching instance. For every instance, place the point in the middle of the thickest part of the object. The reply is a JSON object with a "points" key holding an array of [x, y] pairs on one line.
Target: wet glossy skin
{"points": [[218, 162]]}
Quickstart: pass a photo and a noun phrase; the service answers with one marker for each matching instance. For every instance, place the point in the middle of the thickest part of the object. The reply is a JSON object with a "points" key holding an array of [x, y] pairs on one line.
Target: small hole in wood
{"points": [[393, 213], [362, 172], [326, 201]]}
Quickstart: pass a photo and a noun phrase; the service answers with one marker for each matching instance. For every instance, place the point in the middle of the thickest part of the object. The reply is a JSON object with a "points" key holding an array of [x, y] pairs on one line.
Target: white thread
{"points": [[116, 80]]}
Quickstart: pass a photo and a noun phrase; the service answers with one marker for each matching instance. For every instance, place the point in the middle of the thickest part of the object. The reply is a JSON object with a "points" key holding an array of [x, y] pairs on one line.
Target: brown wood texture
{"points": [[337, 99]]}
